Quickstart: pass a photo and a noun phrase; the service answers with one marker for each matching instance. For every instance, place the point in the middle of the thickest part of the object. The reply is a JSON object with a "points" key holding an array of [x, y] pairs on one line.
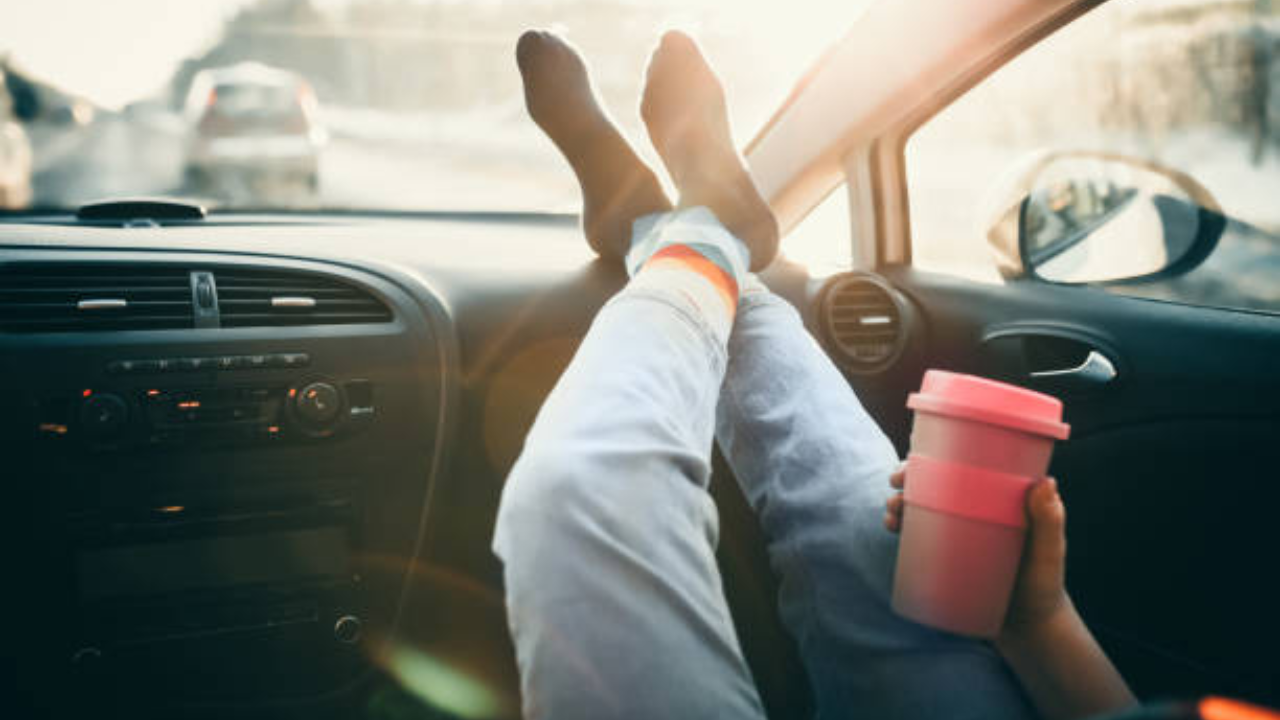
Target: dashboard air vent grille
{"points": [[75, 297], [272, 298], [864, 321]]}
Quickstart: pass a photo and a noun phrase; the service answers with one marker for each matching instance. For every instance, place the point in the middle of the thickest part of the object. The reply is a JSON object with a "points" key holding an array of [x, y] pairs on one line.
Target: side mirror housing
{"points": [[1098, 218]]}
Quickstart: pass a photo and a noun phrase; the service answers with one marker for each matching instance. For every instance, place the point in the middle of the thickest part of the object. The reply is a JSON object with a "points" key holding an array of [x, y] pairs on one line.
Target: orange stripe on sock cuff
{"points": [[697, 262], [1216, 708]]}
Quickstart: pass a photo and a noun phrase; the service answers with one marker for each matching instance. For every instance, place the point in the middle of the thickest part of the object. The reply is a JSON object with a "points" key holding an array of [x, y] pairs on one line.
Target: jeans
{"points": [[607, 532]]}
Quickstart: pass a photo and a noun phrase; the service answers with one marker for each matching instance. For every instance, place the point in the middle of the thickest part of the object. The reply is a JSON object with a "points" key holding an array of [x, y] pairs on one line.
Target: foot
{"points": [[684, 110], [617, 187]]}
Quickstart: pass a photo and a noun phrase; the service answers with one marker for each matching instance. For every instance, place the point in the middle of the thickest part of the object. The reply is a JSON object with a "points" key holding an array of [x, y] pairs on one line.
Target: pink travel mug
{"points": [[977, 446]]}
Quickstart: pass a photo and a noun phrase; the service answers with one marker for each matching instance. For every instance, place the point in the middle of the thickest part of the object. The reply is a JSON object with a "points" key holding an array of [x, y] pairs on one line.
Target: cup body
{"points": [[977, 447], [955, 573]]}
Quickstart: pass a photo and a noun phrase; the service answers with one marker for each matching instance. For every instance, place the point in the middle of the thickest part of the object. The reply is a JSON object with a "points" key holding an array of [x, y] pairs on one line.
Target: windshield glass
{"points": [[351, 104]]}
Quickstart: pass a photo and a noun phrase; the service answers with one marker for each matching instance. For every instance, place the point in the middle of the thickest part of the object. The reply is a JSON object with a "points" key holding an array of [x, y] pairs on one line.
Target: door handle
{"points": [[1097, 369]]}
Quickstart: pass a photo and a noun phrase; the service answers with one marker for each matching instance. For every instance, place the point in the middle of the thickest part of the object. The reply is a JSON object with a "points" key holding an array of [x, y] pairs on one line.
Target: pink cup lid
{"points": [[987, 401], [966, 490]]}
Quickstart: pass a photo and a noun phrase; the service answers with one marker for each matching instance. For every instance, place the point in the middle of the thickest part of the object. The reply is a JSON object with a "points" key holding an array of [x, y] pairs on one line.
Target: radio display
{"points": [[213, 563]]}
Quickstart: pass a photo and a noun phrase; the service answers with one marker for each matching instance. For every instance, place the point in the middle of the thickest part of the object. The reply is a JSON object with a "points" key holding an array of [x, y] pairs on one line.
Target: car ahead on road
{"points": [[15, 154], [253, 131], [253, 457]]}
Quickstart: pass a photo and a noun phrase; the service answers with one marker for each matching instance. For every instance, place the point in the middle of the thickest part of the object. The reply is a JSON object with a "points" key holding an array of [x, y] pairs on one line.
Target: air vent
{"points": [[865, 321], [270, 298], [73, 297]]}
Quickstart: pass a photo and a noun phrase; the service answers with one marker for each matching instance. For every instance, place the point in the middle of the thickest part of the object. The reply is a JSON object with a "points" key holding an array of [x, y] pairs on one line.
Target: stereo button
{"points": [[103, 415], [318, 404], [288, 360], [347, 629]]}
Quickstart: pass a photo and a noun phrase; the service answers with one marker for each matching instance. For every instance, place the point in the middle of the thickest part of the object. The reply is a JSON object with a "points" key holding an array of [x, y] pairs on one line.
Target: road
{"points": [[121, 156]]}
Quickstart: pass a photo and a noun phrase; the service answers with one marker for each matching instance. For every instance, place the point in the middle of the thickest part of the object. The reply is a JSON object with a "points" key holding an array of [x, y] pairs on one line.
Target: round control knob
{"points": [[318, 404], [103, 415], [347, 629]]}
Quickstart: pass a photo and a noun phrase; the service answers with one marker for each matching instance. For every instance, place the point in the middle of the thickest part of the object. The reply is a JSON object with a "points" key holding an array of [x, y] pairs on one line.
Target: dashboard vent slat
{"points": [[273, 298], [865, 321], [82, 297]]}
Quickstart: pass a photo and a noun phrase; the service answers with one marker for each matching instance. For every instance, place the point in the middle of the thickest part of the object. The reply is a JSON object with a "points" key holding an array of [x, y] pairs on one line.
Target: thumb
{"points": [[1048, 523]]}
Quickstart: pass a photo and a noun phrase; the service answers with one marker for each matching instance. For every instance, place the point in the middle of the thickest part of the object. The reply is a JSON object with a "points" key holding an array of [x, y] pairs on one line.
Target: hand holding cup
{"points": [[1039, 592]]}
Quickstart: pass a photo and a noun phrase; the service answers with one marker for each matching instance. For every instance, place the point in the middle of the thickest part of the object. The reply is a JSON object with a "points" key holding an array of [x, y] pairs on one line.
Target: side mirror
{"points": [[1091, 217]]}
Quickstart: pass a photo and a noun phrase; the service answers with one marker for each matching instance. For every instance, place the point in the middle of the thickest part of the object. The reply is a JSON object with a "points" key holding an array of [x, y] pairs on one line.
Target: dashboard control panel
{"points": [[218, 513], [169, 412], [145, 366]]}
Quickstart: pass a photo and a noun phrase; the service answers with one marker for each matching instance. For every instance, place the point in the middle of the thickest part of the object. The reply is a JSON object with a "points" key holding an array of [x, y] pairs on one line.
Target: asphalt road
{"points": [[109, 157], [121, 156]]}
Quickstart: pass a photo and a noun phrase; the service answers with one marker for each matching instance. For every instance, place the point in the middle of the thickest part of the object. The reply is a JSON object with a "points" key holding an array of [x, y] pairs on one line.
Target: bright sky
{"points": [[110, 50], [114, 51]]}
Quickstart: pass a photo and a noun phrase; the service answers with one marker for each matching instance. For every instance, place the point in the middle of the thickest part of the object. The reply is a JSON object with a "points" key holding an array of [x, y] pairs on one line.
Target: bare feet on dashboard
{"points": [[684, 110], [617, 187]]}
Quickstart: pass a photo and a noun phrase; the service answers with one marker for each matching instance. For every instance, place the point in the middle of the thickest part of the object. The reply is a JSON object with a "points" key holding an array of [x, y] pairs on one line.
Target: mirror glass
{"points": [[1091, 219]]}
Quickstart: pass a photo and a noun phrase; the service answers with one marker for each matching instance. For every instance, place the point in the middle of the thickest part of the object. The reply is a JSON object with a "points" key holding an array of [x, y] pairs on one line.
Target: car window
{"points": [[249, 99], [1185, 92], [821, 241], [417, 105]]}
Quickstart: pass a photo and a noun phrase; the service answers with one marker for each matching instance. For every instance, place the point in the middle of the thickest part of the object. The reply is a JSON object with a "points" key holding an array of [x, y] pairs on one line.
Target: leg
{"points": [[812, 463], [605, 529], [685, 112], [815, 468], [617, 187]]}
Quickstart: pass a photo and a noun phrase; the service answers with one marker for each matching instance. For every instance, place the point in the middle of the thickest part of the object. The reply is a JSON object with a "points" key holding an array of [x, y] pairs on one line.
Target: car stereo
{"points": [[215, 517], [169, 560], [218, 566], [140, 405]]}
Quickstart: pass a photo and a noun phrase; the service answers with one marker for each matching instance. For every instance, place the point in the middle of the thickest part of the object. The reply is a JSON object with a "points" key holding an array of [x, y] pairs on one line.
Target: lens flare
{"points": [[441, 685]]}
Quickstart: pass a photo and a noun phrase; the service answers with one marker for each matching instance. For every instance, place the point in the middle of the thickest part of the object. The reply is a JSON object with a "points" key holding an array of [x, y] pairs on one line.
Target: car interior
{"points": [[253, 457]]}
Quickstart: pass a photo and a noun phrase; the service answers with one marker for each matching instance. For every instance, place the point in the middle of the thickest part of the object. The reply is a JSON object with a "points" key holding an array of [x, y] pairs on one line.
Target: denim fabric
{"points": [[697, 227], [607, 533], [815, 467]]}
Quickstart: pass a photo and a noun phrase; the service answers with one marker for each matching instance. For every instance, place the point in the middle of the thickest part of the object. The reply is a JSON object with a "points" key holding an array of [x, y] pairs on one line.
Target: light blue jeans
{"points": [[607, 532]]}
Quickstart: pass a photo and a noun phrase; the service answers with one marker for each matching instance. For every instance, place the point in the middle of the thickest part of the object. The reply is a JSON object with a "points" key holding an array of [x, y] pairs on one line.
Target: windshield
{"points": [[347, 104]]}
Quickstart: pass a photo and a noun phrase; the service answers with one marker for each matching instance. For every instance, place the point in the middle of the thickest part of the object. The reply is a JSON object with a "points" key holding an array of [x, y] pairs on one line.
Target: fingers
{"points": [[893, 512], [1048, 522], [1045, 505], [893, 506]]}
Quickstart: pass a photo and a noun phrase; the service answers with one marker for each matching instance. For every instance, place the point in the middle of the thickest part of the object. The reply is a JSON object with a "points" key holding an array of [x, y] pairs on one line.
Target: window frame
{"points": [[882, 195]]}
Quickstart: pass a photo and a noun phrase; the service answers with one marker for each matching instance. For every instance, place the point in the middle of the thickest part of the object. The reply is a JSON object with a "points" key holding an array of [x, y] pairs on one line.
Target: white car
{"points": [[252, 129]]}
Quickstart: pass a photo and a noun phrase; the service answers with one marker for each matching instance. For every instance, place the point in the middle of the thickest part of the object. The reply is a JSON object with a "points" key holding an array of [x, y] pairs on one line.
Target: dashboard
{"points": [[253, 463], [224, 448]]}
